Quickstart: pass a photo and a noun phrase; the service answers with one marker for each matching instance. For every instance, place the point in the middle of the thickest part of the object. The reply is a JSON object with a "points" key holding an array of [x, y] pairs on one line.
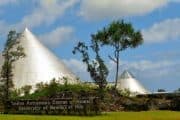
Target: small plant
{"points": [[26, 89]]}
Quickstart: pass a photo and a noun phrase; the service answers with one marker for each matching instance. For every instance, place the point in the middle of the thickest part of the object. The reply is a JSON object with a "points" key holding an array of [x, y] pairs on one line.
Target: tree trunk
{"points": [[7, 84], [7, 77], [117, 68]]}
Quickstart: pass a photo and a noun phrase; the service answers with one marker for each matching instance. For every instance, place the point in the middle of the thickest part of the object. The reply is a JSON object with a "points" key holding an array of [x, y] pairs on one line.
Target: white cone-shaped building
{"points": [[128, 81], [39, 64]]}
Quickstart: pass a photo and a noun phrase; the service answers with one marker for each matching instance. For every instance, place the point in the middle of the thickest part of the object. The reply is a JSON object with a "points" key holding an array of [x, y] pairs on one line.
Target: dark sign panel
{"points": [[56, 105]]}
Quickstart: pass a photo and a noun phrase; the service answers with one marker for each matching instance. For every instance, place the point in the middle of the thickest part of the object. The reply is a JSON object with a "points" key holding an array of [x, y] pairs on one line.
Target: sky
{"points": [[60, 24]]}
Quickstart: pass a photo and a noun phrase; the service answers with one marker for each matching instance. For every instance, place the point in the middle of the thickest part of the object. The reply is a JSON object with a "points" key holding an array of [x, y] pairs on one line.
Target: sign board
{"points": [[57, 105]]}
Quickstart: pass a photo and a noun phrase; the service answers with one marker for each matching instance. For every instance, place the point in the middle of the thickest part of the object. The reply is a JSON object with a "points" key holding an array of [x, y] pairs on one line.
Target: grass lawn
{"points": [[150, 115]]}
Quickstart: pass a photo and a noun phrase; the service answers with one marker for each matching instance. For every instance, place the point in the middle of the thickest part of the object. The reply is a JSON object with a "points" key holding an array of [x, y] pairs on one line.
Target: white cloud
{"points": [[149, 65], [78, 68], [5, 2], [97, 9], [163, 31], [75, 63], [146, 69], [148, 72], [58, 35], [45, 12], [157, 74], [152, 74], [174, 0]]}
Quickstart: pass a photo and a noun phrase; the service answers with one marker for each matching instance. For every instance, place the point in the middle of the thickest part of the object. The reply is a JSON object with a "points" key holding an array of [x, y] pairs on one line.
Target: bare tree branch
{"points": [[113, 59]]}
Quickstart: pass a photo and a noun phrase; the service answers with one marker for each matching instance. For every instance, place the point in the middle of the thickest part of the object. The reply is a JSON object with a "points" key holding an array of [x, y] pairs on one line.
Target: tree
{"points": [[53, 87], [177, 91], [161, 90], [26, 89], [11, 53], [120, 36], [97, 69], [40, 86], [16, 93]]}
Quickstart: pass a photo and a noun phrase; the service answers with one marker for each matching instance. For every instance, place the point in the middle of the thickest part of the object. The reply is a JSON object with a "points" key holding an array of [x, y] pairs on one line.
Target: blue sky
{"points": [[60, 24]]}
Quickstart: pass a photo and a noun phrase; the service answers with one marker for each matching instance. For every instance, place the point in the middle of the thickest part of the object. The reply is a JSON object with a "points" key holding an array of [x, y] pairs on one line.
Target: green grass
{"points": [[151, 115]]}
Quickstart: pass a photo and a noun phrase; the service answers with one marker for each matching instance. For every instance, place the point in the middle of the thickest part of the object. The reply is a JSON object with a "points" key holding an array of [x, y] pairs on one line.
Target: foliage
{"points": [[15, 93], [177, 91], [54, 90], [176, 104], [54, 87], [40, 86], [11, 53], [97, 69], [125, 92], [120, 36], [26, 89], [161, 90]]}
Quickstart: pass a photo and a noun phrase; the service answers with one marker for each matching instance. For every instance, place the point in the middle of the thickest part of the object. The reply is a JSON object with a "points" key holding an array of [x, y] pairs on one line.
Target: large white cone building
{"points": [[128, 81], [39, 64]]}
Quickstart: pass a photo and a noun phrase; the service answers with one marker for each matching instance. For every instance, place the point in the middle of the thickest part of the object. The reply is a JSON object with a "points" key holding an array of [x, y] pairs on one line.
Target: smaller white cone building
{"points": [[39, 64], [128, 82]]}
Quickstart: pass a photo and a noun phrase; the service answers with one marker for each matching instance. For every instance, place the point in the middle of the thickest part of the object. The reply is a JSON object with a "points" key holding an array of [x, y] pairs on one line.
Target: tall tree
{"points": [[120, 36], [96, 67], [11, 53]]}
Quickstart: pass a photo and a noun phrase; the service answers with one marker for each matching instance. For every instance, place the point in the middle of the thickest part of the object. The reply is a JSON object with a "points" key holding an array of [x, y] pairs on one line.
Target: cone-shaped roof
{"points": [[128, 81], [39, 65]]}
